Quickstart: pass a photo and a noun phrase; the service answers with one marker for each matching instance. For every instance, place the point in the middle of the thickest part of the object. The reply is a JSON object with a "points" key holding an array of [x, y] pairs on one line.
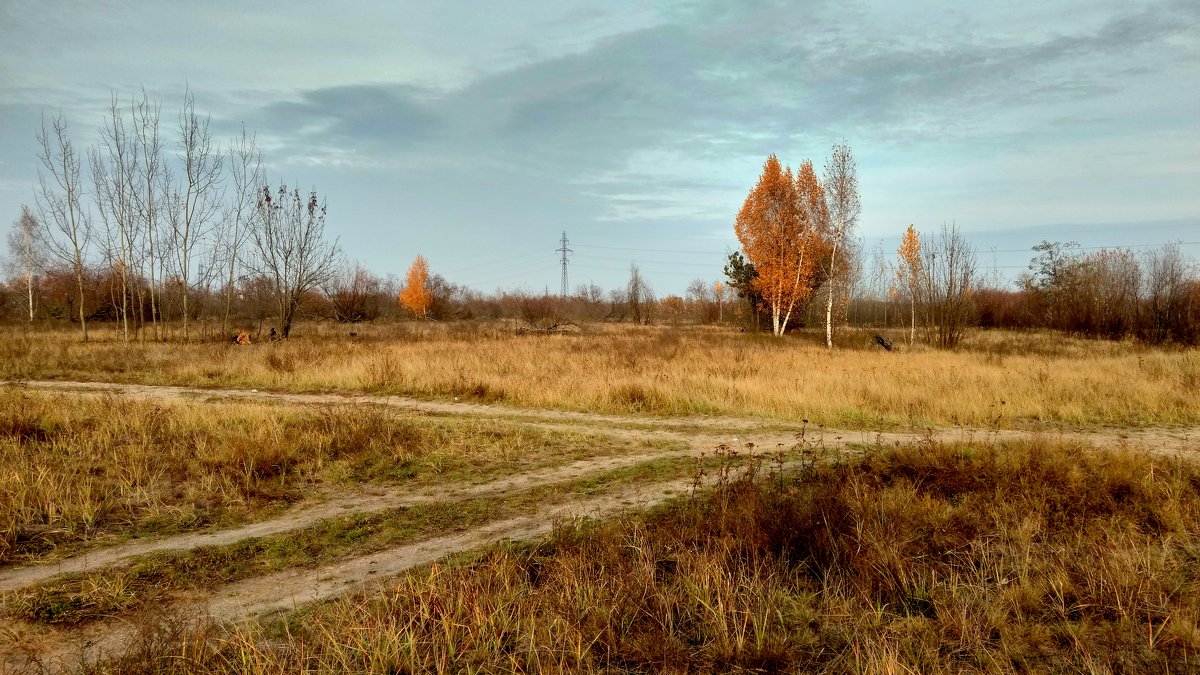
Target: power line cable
{"points": [[654, 262], [1008, 250], [649, 250]]}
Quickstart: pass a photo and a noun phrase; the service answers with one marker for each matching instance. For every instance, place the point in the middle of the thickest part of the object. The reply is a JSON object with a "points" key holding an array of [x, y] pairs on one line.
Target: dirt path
{"points": [[382, 500], [292, 588], [682, 429], [1159, 439], [728, 428], [496, 411], [287, 590]]}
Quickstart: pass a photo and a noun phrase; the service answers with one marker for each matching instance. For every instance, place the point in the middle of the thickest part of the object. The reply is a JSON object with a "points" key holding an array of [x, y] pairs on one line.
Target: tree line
{"points": [[156, 239], [935, 290], [788, 273], [145, 223]]}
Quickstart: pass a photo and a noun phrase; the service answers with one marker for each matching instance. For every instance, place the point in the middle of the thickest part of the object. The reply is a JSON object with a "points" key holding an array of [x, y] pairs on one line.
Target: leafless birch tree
{"points": [[66, 230], [114, 165], [841, 195], [153, 177], [197, 199], [245, 172], [27, 255]]}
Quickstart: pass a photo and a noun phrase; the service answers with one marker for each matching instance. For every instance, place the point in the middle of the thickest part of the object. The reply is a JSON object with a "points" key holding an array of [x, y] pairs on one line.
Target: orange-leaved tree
{"points": [[909, 274], [779, 240], [415, 296], [815, 227]]}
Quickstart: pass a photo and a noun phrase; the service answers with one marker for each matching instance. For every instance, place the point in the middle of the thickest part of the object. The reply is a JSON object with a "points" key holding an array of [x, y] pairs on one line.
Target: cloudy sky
{"points": [[475, 133]]}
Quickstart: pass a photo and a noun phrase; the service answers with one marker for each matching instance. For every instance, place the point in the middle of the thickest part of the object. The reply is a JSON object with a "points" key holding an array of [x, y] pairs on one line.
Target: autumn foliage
{"points": [[909, 274], [415, 296], [782, 228]]}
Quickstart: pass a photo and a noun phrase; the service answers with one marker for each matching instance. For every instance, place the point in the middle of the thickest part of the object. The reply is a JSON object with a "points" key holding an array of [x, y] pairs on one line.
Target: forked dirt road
{"points": [[292, 588], [58, 649]]}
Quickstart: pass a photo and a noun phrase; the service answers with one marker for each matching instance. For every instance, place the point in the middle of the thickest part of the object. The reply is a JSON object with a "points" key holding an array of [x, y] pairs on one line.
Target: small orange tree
{"points": [[673, 306], [909, 274], [415, 296]]}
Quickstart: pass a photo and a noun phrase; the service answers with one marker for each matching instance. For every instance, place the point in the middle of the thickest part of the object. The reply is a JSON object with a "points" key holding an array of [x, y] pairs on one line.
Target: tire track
{"points": [[291, 589], [19, 577]]}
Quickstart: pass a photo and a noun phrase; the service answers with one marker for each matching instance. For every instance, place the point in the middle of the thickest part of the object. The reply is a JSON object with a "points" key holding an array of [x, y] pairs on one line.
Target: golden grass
{"points": [[83, 470], [1005, 377], [927, 559]]}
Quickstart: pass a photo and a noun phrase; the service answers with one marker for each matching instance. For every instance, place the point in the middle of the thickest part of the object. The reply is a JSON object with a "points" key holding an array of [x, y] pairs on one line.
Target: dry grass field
{"points": [[1011, 378], [924, 559], [474, 498]]}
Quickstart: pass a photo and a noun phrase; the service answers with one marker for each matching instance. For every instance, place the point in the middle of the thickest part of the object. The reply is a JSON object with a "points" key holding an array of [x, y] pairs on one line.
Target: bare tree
{"points": [[197, 199], [28, 256], [587, 302], [639, 296], [1168, 282], [66, 230], [841, 197], [114, 173], [1114, 283], [289, 238], [617, 305], [245, 164], [153, 177], [948, 287], [881, 282], [355, 294], [702, 298]]}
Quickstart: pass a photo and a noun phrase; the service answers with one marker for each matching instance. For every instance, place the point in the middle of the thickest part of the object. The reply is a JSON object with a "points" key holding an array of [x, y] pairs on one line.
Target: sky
{"points": [[476, 133]]}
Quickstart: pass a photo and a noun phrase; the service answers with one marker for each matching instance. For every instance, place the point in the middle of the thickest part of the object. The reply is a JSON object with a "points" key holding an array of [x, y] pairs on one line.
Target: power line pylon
{"points": [[564, 251]]}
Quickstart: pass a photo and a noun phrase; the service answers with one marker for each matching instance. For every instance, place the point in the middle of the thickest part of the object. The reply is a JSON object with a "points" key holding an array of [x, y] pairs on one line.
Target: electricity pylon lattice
{"points": [[564, 251]]}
